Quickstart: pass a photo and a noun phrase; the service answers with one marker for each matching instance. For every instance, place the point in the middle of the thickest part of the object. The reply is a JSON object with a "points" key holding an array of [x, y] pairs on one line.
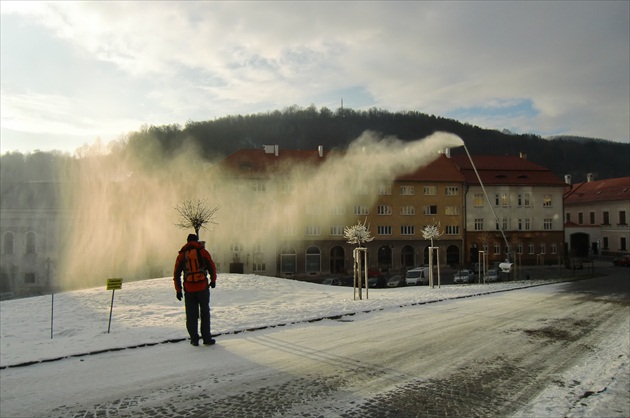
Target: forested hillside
{"points": [[306, 128]]}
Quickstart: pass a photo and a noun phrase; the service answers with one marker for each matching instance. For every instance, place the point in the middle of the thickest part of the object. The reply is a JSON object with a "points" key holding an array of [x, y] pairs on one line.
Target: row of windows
{"points": [[337, 230], [383, 190], [9, 243], [522, 224], [621, 218], [531, 248], [504, 200]]}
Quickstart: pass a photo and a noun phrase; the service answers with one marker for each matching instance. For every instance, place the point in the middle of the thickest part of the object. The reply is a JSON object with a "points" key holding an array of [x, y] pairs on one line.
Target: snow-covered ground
{"points": [[147, 312]]}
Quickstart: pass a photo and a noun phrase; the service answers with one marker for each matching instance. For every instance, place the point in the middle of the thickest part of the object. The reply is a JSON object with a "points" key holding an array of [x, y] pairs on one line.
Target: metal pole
{"points": [[496, 218], [52, 311], [111, 308]]}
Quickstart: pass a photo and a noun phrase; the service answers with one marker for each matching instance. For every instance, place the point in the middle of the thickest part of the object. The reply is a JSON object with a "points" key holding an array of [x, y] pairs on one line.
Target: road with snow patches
{"points": [[487, 355]]}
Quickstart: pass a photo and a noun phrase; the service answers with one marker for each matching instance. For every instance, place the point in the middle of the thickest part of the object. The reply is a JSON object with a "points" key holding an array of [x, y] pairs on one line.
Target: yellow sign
{"points": [[114, 284]]}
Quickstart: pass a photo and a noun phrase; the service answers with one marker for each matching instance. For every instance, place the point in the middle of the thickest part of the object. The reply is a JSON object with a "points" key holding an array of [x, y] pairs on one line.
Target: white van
{"points": [[417, 276]]}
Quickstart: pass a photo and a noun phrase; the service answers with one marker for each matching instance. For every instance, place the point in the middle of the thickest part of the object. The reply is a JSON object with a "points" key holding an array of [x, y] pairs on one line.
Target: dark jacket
{"points": [[180, 265]]}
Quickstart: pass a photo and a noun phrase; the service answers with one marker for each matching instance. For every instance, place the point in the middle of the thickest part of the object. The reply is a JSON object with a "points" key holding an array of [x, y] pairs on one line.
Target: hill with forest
{"points": [[307, 128]]}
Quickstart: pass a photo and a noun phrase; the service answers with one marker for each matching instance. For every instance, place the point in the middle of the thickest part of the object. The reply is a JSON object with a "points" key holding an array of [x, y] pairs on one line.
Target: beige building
{"points": [[596, 216], [515, 212]]}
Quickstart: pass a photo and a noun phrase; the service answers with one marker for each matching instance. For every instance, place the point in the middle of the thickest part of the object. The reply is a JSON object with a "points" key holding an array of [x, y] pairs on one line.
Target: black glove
{"points": [[213, 284], [179, 295]]}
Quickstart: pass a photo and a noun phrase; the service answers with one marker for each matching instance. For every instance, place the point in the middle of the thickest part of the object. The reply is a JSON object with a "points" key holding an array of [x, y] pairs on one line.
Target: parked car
{"points": [[464, 276], [417, 276], [492, 275], [396, 281], [624, 261], [332, 281], [377, 282]]}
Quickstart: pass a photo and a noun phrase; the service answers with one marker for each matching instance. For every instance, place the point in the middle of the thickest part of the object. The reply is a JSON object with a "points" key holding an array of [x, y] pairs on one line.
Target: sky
{"points": [[73, 73], [146, 312]]}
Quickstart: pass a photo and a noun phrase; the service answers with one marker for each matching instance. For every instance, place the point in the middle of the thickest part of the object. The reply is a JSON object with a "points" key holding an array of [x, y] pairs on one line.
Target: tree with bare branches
{"points": [[195, 213]]}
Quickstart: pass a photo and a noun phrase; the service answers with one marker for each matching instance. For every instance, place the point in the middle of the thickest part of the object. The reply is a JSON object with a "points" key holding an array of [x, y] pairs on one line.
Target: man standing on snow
{"points": [[195, 262]]}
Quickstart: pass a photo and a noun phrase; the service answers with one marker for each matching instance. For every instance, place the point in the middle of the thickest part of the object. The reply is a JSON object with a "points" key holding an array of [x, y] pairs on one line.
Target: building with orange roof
{"points": [[596, 216], [515, 212]]}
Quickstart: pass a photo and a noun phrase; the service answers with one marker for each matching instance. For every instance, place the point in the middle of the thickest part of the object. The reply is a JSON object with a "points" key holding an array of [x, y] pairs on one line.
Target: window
{"points": [[497, 199], [384, 230], [505, 224], [258, 187], [361, 210], [478, 224], [622, 217], [407, 230], [532, 249], [313, 260], [519, 200], [497, 248], [623, 244], [313, 230], [430, 210], [288, 260], [451, 230], [362, 189], [547, 201], [30, 243], [385, 190], [451, 210], [8, 243], [408, 210], [338, 210], [568, 217], [288, 229], [259, 266], [336, 230], [519, 248], [547, 224], [591, 217], [287, 188], [554, 248], [527, 224], [504, 200], [384, 210], [520, 224], [605, 243], [526, 200], [543, 248], [606, 218], [580, 218], [478, 200], [451, 191], [430, 190], [236, 248], [407, 190], [313, 210]]}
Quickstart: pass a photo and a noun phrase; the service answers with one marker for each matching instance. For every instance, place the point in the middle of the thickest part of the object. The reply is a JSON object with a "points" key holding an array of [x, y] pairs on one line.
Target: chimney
{"points": [[590, 177], [320, 151], [523, 155], [567, 179]]}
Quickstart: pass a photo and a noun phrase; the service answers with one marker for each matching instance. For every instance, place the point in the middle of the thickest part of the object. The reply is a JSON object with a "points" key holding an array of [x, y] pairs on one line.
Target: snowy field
{"points": [[147, 312]]}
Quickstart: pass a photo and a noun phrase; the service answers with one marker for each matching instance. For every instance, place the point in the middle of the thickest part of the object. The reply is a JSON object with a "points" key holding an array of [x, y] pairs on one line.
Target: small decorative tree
{"points": [[359, 234], [194, 213], [432, 232]]}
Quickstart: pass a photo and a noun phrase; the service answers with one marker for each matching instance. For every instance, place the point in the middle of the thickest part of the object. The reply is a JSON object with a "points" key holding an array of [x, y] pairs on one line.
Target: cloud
{"points": [[199, 60]]}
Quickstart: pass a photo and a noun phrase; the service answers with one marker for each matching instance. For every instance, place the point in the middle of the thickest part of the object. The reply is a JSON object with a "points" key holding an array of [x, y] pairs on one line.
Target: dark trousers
{"points": [[196, 303]]}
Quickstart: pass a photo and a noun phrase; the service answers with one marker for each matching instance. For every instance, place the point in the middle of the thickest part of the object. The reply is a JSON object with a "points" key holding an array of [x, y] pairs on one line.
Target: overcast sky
{"points": [[76, 71]]}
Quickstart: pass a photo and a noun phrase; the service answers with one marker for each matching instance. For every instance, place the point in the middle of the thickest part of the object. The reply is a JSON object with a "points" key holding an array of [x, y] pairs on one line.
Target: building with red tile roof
{"points": [[596, 216]]}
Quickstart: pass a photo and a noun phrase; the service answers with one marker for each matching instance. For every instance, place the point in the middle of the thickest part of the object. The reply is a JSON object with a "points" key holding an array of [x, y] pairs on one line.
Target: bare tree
{"points": [[194, 213]]}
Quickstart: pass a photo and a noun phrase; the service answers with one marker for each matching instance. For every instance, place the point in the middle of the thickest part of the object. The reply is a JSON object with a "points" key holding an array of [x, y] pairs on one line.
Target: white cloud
{"points": [[203, 59]]}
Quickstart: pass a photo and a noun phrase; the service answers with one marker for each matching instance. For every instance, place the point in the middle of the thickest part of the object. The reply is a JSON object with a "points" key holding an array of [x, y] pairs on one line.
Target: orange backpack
{"points": [[194, 269]]}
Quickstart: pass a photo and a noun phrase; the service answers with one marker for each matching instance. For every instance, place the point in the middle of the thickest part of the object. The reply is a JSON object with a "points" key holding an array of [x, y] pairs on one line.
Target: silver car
{"points": [[492, 275], [464, 276]]}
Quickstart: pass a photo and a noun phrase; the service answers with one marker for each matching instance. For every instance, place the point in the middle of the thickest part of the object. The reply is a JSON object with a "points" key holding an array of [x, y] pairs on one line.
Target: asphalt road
{"points": [[489, 355]]}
